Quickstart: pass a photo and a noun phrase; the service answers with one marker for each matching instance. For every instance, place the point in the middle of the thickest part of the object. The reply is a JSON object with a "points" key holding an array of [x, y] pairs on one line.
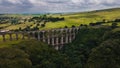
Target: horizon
{"points": [[60, 12], [54, 6]]}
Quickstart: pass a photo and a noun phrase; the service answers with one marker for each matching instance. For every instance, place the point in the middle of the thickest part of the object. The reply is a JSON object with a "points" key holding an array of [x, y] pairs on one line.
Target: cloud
{"points": [[15, 6], [42, 6]]}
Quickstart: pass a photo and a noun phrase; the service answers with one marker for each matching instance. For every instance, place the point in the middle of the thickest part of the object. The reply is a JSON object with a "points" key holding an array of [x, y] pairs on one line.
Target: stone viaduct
{"points": [[56, 37]]}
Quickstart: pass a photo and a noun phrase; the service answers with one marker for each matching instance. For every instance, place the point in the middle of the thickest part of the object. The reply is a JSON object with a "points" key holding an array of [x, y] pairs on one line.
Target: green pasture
{"points": [[8, 43], [17, 26], [84, 18], [72, 19]]}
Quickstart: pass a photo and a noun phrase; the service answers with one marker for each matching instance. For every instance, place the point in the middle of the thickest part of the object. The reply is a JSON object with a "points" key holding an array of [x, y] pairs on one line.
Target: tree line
{"points": [[104, 21], [46, 18]]}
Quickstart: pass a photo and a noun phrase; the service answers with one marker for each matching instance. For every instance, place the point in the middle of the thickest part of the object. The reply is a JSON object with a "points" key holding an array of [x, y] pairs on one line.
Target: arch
{"points": [[56, 38]]}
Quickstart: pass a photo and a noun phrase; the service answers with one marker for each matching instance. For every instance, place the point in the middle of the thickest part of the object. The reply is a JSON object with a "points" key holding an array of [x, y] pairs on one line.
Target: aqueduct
{"points": [[55, 37]]}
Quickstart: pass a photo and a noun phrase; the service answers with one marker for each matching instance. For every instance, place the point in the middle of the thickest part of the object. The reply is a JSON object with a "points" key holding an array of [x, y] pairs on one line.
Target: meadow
{"points": [[70, 19]]}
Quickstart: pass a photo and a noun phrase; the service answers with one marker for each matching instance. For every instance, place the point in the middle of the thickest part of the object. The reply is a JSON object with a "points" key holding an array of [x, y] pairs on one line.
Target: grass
{"points": [[84, 18], [13, 27], [9, 43], [73, 19]]}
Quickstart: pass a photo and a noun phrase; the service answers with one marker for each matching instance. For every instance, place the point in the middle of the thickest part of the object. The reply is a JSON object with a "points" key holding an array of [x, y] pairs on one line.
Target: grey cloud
{"points": [[36, 6], [56, 1], [9, 7]]}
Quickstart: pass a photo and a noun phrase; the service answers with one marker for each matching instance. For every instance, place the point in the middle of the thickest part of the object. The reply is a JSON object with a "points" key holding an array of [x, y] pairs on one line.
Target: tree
{"points": [[66, 27], [73, 26], [27, 28], [114, 25], [78, 51], [20, 29], [104, 20], [42, 55], [35, 28], [37, 24], [42, 25], [14, 58], [81, 24], [107, 55], [111, 35]]}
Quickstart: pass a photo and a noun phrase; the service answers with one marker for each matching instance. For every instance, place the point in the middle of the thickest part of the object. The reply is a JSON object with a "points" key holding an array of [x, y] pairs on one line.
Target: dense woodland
{"points": [[92, 48]]}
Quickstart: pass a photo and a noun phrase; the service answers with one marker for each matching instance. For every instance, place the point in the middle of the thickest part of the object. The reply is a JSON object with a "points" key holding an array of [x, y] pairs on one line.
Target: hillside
{"points": [[85, 18], [71, 19], [91, 48]]}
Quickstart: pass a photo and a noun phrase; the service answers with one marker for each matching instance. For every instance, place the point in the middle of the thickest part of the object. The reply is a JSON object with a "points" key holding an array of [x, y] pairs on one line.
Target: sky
{"points": [[55, 6]]}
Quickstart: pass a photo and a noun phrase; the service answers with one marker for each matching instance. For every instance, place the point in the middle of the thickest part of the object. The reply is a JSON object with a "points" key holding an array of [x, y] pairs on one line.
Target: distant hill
{"points": [[87, 17], [72, 18], [95, 11]]}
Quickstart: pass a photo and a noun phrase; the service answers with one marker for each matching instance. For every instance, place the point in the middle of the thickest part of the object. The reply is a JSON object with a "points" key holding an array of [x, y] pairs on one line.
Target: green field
{"points": [[71, 19], [8, 43]]}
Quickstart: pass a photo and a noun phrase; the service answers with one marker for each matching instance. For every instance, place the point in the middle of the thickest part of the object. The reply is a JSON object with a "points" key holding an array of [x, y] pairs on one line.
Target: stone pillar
{"points": [[53, 40], [61, 42], [48, 38], [57, 39], [66, 37], [70, 36], [57, 43], [61, 39], [33, 35], [57, 47], [29, 35], [74, 33], [77, 29], [16, 36], [23, 36], [43, 36], [10, 37], [73, 30], [4, 37], [38, 36]]}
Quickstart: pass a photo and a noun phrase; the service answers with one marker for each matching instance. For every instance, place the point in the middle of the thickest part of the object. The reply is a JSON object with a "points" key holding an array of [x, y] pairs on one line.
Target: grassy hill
{"points": [[73, 19]]}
